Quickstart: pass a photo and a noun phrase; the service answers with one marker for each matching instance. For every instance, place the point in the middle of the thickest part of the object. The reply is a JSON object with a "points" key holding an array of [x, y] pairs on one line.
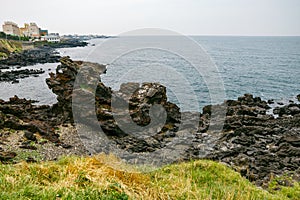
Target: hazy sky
{"points": [[191, 17]]}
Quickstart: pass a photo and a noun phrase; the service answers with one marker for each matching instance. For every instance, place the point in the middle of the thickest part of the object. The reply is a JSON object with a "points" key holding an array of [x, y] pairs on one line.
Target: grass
{"points": [[3, 55], [24, 155], [95, 178], [282, 186], [7, 47], [11, 46]]}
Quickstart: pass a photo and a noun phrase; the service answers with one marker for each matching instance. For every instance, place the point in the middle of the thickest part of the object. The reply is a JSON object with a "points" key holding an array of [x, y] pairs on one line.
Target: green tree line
{"points": [[13, 37]]}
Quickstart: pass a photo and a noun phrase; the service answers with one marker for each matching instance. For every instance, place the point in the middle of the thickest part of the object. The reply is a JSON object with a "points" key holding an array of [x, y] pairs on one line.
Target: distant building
{"points": [[52, 37], [43, 32], [11, 28], [34, 30], [30, 30], [25, 30]]}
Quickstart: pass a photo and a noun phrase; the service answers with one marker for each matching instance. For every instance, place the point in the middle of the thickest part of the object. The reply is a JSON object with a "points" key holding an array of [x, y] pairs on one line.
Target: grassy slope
{"points": [[7, 46], [93, 178]]}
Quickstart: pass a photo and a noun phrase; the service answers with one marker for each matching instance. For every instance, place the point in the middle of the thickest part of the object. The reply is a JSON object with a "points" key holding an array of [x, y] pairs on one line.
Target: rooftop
{"points": [[10, 23]]}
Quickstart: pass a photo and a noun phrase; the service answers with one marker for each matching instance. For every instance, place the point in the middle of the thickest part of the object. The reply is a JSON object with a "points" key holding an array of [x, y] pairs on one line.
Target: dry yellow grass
{"points": [[106, 177]]}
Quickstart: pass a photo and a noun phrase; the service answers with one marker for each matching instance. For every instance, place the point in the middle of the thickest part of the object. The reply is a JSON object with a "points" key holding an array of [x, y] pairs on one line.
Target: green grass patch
{"points": [[94, 178], [286, 186], [25, 154]]}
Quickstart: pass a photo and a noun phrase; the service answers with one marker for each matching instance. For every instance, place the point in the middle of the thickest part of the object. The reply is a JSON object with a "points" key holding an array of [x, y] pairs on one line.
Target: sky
{"points": [[188, 17]]}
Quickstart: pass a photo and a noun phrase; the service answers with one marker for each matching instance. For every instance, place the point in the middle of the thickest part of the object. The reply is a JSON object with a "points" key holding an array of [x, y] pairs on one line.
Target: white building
{"points": [[51, 38]]}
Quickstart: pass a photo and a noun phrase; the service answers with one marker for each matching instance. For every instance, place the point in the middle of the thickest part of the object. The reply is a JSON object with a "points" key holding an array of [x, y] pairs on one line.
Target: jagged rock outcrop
{"points": [[21, 114], [254, 143], [20, 118], [139, 100], [61, 84]]}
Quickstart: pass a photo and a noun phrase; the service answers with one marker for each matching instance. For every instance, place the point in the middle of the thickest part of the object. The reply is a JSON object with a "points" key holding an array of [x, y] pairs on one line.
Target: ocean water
{"points": [[34, 88], [268, 67]]}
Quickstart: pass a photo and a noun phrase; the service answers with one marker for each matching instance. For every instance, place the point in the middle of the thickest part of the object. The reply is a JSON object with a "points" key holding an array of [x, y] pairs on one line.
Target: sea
{"points": [[268, 67]]}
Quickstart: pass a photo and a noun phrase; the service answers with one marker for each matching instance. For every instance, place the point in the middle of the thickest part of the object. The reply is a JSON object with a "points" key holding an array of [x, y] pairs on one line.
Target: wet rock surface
{"points": [[13, 76], [251, 141], [31, 57]]}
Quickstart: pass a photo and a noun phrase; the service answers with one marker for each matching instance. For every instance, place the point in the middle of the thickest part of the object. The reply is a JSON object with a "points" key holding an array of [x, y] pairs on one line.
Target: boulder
{"points": [[30, 136]]}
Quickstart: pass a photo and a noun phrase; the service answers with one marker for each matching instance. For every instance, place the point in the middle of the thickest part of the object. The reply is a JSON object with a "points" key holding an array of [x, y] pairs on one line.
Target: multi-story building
{"points": [[30, 30], [25, 30], [11, 28], [34, 30]]}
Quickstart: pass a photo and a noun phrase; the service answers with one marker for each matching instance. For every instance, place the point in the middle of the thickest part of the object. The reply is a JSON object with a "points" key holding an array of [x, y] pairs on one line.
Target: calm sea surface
{"points": [[268, 67]]}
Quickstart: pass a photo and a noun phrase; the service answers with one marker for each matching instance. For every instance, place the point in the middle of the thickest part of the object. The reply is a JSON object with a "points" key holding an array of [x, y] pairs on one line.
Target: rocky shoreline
{"points": [[41, 54], [30, 57], [13, 76], [252, 142]]}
